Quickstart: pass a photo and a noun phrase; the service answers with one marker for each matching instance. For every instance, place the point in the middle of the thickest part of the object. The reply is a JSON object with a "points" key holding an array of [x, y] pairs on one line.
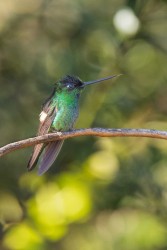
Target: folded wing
{"points": [[46, 118]]}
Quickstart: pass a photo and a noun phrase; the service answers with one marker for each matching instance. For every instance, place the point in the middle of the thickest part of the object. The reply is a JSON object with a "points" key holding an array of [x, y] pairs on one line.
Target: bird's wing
{"points": [[46, 118]]}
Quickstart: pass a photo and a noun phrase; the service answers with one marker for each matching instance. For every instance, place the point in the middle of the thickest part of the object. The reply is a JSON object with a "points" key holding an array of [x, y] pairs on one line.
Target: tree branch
{"points": [[83, 132]]}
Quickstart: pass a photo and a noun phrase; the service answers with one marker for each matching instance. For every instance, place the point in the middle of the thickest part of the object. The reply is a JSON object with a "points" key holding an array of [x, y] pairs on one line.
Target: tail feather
{"points": [[35, 156], [50, 154]]}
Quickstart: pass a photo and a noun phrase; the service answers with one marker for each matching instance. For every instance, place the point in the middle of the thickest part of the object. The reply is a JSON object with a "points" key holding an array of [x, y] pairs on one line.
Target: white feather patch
{"points": [[42, 116]]}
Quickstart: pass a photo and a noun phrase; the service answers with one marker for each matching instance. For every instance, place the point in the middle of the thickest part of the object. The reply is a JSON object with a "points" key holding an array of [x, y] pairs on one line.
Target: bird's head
{"points": [[71, 83]]}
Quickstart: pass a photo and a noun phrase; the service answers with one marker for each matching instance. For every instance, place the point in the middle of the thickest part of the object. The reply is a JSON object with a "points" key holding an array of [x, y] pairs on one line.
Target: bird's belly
{"points": [[65, 119]]}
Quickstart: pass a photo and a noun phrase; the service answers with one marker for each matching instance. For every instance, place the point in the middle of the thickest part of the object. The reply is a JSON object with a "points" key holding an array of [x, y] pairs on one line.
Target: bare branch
{"points": [[83, 132]]}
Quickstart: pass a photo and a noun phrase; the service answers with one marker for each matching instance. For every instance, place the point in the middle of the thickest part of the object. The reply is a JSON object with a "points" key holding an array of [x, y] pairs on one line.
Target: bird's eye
{"points": [[69, 86]]}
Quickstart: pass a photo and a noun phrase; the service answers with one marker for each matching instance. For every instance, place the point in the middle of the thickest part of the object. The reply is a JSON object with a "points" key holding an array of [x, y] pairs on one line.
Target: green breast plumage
{"points": [[67, 105]]}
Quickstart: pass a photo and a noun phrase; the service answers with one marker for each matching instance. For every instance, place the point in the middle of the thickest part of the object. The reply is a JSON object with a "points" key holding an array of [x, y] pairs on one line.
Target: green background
{"points": [[101, 193]]}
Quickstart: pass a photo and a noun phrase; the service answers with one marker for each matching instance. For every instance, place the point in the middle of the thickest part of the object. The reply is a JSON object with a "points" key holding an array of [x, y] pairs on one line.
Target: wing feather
{"points": [[48, 113]]}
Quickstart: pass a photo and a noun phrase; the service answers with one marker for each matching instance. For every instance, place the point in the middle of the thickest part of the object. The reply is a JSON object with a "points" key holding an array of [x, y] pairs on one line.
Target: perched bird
{"points": [[59, 113]]}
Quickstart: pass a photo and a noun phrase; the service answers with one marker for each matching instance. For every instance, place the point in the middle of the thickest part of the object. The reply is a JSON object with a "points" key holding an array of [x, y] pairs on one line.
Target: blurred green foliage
{"points": [[101, 193]]}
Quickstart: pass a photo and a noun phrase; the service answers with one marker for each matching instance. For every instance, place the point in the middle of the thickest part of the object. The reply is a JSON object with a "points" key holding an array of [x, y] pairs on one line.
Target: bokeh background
{"points": [[101, 193]]}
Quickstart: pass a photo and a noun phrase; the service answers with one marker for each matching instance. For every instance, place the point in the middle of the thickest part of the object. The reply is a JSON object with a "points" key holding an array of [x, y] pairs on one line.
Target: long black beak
{"points": [[100, 80]]}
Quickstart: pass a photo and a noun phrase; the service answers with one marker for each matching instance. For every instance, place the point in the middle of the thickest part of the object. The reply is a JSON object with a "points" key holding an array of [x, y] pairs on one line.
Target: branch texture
{"points": [[101, 132]]}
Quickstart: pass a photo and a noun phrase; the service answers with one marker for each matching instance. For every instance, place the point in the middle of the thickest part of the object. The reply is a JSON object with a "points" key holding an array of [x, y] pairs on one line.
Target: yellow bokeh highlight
{"points": [[55, 206], [104, 163], [23, 236], [45, 209], [10, 210], [77, 201]]}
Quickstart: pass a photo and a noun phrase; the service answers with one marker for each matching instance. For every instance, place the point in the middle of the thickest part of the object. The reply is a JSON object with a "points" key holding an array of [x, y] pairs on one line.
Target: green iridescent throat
{"points": [[67, 105]]}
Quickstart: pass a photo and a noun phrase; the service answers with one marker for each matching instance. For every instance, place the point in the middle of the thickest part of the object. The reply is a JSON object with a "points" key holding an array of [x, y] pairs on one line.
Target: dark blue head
{"points": [[72, 82]]}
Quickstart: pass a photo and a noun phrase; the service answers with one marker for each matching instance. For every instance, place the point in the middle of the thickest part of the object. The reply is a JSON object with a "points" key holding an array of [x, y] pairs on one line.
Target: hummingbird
{"points": [[59, 113]]}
